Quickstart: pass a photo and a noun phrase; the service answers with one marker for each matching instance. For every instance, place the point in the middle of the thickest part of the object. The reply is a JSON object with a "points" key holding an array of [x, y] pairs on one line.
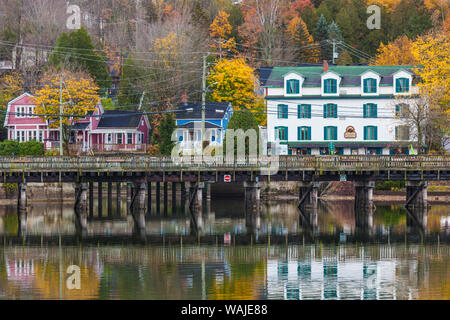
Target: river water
{"points": [[229, 270]]}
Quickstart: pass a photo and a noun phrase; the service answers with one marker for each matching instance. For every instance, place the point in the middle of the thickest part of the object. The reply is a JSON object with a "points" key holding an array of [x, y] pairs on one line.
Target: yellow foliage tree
{"points": [[397, 52], [301, 38], [10, 88], [233, 80], [431, 52], [79, 96], [220, 32]]}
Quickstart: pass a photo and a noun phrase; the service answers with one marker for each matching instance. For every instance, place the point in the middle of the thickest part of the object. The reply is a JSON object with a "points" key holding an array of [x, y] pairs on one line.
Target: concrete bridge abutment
{"points": [[308, 195]]}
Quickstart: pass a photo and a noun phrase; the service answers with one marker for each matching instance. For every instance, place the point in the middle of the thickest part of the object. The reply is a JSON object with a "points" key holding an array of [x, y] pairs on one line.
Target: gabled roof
{"points": [[26, 94], [191, 125], [120, 119], [193, 110], [350, 75]]}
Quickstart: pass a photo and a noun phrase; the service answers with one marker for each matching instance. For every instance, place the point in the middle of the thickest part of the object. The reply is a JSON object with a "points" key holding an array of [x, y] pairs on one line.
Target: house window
{"points": [[22, 136], [402, 133], [119, 138], [370, 133], [30, 112], [293, 86], [109, 138], [402, 85], [330, 86], [370, 85], [370, 110], [304, 133], [141, 138], [281, 133], [401, 110], [330, 110], [129, 138], [282, 111], [304, 111], [40, 136], [330, 133]]}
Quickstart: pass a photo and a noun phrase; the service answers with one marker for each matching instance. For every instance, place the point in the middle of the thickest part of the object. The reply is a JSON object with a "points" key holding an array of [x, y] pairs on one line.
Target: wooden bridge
{"points": [[191, 173]]}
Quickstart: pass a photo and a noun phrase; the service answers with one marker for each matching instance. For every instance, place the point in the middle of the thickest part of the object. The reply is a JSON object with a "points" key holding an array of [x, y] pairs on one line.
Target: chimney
{"points": [[325, 65], [184, 97]]}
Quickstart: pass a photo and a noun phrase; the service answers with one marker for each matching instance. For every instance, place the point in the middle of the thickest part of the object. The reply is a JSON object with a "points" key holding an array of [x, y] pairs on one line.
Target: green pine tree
{"points": [[164, 140], [321, 35], [244, 120], [76, 51]]}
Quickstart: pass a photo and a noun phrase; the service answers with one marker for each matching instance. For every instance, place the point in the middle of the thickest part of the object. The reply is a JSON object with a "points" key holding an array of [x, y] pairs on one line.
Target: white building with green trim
{"points": [[339, 109]]}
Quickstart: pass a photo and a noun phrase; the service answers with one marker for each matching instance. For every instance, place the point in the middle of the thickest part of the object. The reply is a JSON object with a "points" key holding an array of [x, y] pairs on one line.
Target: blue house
{"points": [[189, 118]]}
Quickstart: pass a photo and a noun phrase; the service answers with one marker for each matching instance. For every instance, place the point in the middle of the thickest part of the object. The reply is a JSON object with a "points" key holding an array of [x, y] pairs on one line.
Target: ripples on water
{"points": [[311, 271]]}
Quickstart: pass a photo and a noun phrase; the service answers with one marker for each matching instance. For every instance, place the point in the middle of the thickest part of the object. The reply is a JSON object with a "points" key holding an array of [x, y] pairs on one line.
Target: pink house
{"points": [[101, 130]]}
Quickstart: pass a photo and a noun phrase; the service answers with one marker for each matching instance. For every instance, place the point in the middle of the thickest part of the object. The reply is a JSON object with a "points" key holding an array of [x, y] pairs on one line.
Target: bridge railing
{"points": [[147, 163]]}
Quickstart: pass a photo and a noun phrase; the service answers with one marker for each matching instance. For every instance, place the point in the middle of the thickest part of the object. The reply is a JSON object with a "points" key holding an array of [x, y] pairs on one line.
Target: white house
{"points": [[339, 109]]}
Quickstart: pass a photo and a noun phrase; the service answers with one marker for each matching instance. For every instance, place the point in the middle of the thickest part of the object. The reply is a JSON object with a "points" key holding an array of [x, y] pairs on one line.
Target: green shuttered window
{"points": [[330, 110], [281, 133], [370, 85], [304, 133], [282, 111], [370, 110], [330, 86], [293, 86], [401, 85], [370, 133], [330, 133], [304, 111]]}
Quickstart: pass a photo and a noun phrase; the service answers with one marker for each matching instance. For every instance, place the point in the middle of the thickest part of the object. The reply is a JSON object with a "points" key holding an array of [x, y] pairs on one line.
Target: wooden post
{"points": [[165, 195], [149, 198], [183, 197], [118, 199], [174, 198], [22, 207], [109, 199], [91, 199], [129, 195], [100, 199], [138, 210], [81, 208], [158, 197]]}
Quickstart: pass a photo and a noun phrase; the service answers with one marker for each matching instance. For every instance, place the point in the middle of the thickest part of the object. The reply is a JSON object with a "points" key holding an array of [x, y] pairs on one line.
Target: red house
{"points": [[101, 130]]}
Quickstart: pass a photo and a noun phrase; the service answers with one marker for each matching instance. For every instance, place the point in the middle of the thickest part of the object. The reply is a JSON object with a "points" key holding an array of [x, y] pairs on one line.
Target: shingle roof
{"points": [[120, 119], [190, 125], [351, 75], [196, 112]]}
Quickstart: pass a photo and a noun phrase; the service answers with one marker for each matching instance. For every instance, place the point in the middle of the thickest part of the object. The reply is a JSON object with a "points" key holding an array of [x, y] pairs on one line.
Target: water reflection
{"points": [[228, 216], [257, 272]]}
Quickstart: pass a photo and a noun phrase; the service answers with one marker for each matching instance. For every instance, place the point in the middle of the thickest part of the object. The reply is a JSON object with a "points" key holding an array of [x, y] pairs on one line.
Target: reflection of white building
{"points": [[329, 278], [19, 270]]}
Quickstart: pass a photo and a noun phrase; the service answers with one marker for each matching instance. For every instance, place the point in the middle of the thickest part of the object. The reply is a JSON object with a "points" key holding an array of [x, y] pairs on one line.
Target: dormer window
{"points": [[330, 86], [402, 85], [370, 85], [293, 86]]}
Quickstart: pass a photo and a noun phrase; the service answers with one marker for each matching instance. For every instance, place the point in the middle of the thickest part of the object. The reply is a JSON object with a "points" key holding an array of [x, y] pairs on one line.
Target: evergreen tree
{"points": [[76, 51], [164, 137], [334, 32], [244, 120], [321, 35], [199, 16]]}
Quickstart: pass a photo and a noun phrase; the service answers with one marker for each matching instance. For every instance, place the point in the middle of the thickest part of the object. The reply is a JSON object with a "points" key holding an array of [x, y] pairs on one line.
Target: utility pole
{"points": [[334, 50], [203, 98], [60, 116]]}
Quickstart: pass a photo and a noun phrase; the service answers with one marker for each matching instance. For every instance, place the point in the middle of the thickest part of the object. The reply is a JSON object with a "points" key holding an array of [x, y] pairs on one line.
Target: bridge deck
{"points": [[282, 168]]}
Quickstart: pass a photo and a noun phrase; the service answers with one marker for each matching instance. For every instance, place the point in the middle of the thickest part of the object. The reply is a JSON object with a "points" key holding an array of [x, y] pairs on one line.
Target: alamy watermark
{"points": [[374, 21], [239, 149], [73, 22], [73, 282]]}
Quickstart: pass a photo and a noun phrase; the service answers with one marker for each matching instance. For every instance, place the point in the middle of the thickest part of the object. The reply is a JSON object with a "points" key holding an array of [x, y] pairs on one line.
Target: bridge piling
{"points": [[129, 196], [149, 198], [91, 199], [138, 208], [100, 199], [252, 197], [81, 208], [174, 198], [183, 197], [22, 207], [109, 199], [308, 219], [165, 196], [416, 194], [158, 197], [118, 199], [308, 195], [363, 206]]}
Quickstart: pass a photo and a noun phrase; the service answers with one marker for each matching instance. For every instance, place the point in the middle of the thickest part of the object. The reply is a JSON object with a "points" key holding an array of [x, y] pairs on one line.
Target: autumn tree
{"points": [[79, 96], [221, 34], [307, 50], [397, 52], [11, 86], [431, 54]]}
